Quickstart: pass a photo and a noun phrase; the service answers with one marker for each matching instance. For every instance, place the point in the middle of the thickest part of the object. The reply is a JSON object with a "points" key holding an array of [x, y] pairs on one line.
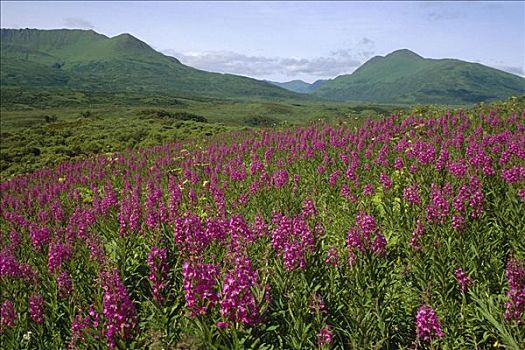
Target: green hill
{"points": [[299, 86], [88, 61], [405, 77]]}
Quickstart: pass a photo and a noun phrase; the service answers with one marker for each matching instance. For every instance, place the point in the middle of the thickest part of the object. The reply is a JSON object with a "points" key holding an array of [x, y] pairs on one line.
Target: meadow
{"points": [[402, 231], [44, 128]]}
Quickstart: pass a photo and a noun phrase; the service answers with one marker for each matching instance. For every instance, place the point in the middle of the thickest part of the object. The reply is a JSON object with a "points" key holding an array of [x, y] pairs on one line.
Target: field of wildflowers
{"points": [[407, 232]]}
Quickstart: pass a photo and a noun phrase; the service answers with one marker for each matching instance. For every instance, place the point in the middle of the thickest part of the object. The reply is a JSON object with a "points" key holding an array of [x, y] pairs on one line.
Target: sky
{"points": [[283, 41]]}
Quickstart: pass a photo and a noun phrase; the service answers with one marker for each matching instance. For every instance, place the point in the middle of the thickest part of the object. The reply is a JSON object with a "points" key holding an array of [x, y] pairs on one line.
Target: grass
{"points": [[41, 129]]}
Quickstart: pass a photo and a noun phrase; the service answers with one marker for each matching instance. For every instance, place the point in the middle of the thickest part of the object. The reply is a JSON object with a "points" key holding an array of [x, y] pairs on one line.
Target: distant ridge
{"points": [[299, 85], [89, 61], [85, 60], [405, 77]]}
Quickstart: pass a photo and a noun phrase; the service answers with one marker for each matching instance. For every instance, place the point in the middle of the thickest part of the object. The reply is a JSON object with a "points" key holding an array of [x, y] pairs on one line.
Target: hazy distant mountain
{"points": [[405, 77], [86, 60], [299, 85]]}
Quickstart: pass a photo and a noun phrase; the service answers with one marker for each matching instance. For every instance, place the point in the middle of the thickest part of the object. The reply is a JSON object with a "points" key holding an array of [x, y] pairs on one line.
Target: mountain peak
{"points": [[405, 53], [128, 41]]}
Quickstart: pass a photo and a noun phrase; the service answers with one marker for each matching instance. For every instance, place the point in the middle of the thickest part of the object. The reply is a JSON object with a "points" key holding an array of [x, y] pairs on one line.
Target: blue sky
{"points": [[295, 40]]}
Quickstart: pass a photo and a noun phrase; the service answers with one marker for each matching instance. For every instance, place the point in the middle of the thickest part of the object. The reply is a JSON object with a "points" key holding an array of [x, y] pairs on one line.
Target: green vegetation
{"points": [[43, 133], [407, 78], [85, 61], [300, 86]]}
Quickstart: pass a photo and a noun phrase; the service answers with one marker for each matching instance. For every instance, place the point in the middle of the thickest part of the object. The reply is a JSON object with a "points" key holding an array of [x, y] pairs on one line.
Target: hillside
{"points": [[405, 77], [299, 85], [88, 61]]}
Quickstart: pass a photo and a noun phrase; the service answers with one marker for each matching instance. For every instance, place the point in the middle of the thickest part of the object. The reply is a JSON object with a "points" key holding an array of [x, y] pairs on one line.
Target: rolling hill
{"points": [[88, 61], [405, 77], [299, 86]]}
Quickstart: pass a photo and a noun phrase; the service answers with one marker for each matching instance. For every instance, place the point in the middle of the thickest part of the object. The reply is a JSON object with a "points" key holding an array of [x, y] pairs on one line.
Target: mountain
{"points": [[405, 77], [299, 85], [88, 61]]}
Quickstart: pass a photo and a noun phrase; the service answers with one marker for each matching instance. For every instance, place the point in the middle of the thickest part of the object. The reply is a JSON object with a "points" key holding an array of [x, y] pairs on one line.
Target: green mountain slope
{"points": [[405, 77], [299, 85], [88, 61]]}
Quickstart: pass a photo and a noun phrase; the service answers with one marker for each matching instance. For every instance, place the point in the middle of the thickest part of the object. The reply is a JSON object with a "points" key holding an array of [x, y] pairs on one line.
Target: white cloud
{"points": [[339, 62]]}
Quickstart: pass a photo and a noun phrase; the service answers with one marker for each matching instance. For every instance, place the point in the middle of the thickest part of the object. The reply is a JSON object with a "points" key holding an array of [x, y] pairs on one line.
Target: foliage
{"points": [[405, 77], [323, 236]]}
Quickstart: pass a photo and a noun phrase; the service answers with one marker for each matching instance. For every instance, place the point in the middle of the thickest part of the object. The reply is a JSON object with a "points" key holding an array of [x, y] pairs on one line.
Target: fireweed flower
{"points": [[316, 304], [379, 245], [36, 308], [39, 236], [521, 194], [309, 208], [463, 280], [360, 239], [292, 239], [58, 254], [200, 288], [386, 181], [416, 235], [260, 227], [158, 272], [14, 240], [237, 302], [8, 315], [368, 190], [64, 284], [332, 180], [427, 323], [325, 335], [189, 234], [438, 208], [280, 178], [411, 195], [119, 311], [515, 306], [80, 325], [458, 222], [332, 257]]}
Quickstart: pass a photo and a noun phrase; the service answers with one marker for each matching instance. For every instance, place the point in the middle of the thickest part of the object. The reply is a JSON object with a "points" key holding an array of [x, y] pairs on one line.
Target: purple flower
{"points": [[463, 279], [309, 208], [39, 236], [238, 302], [416, 235], [428, 325], [316, 304], [411, 195], [58, 254], [458, 222], [81, 325], [65, 285], [119, 311], [280, 178], [366, 223], [386, 181], [515, 306], [438, 208], [332, 257], [200, 288], [158, 272], [325, 335], [8, 315], [292, 239], [36, 308], [332, 180], [222, 325], [368, 190], [379, 245]]}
